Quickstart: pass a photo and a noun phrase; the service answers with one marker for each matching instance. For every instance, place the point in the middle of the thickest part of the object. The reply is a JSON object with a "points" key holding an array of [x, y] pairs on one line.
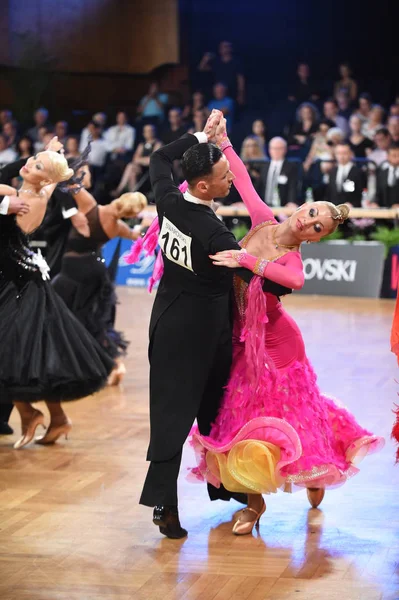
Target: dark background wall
{"points": [[272, 36]]}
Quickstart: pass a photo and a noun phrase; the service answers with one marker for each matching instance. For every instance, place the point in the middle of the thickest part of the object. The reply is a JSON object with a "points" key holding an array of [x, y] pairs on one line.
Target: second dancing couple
{"points": [[263, 423]]}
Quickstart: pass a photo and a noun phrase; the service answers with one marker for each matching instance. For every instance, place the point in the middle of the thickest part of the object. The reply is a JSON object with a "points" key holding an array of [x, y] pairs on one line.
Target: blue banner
{"points": [[137, 275]]}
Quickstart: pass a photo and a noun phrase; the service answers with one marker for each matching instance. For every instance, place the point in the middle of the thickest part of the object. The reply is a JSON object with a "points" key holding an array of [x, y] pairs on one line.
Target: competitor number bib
{"points": [[175, 245]]}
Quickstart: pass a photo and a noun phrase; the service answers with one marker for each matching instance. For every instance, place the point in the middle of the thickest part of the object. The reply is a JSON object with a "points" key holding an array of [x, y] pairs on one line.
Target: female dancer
{"points": [[46, 354], [275, 428], [84, 282]]}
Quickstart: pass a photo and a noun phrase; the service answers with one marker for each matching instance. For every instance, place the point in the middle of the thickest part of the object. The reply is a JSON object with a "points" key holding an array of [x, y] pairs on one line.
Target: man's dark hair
{"points": [[198, 161], [383, 130], [394, 146], [332, 100]]}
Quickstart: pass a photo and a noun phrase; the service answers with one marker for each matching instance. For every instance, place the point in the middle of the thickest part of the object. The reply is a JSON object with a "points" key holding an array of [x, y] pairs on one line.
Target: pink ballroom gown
{"points": [[275, 428]]}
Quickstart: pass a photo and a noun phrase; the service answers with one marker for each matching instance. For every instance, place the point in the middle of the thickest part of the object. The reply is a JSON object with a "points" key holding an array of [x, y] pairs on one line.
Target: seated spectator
{"points": [[278, 183], [7, 155], [303, 90], [224, 67], [358, 143], [152, 105], [346, 180], [10, 131], [41, 120], [39, 144], [72, 147], [251, 150], [259, 133], [394, 110], [140, 162], [101, 119], [5, 117], [306, 124], [330, 110], [374, 122], [382, 141], [199, 120], [222, 102], [98, 152], [197, 103], [61, 131], [364, 108], [25, 147], [320, 149], [344, 105], [346, 83], [388, 180], [176, 127], [120, 138], [393, 128]]}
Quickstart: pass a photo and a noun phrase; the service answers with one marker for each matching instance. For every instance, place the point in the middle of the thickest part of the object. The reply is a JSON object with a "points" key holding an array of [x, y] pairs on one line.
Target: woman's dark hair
{"points": [[198, 161], [327, 122], [28, 139], [76, 164]]}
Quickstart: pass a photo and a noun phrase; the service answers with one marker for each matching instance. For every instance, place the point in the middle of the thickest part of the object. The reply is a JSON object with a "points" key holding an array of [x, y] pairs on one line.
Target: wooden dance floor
{"points": [[71, 527]]}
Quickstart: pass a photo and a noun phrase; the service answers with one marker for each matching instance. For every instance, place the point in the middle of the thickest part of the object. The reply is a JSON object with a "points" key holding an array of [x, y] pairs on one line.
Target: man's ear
{"points": [[202, 186]]}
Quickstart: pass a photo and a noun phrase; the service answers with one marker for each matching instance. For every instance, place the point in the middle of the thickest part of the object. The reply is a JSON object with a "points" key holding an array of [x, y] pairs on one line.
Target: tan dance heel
{"points": [[35, 421], [54, 433], [315, 496], [117, 374], [245, 527]]}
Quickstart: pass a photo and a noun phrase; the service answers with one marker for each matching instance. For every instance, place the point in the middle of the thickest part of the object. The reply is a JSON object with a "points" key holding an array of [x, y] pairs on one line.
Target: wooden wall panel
{"points": [[103, 36]]}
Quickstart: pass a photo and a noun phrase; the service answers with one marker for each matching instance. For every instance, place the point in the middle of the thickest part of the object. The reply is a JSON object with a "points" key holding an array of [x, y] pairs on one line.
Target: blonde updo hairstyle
{"points": [[339, 214], [130, 205], [59, 169]]}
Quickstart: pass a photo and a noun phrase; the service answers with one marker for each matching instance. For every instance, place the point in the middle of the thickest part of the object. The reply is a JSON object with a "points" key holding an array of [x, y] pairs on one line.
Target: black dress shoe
{"points": [[5, 429], [221, 493], [167, 519]]}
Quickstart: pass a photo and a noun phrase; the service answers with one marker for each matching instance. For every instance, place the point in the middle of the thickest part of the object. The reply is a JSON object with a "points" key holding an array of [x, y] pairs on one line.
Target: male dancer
{"points": [[190, 329]]}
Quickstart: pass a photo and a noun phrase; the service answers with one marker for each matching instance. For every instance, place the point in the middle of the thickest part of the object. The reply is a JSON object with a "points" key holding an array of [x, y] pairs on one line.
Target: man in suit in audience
{"points": [[388, 180], [278, 182], [346, 179]]}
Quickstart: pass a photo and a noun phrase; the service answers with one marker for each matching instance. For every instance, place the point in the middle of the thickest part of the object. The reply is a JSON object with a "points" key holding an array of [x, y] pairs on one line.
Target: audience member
{"points": [[388, 180], [222, 102], [303, 90], [382, 141], [120, 138], [5, 117], [320, 149], [359, 144], [251, 150], [278, 184], [344, 105], [7, 155], [139, 164], [393, 128], [61, 131], [98, 151], [346, 84], [259, 133], [10, 131], [364, 108], [25, 147], [225, 68], [330, 110], [41, 120], [394, 110], [72, 147], [199, 120], [152, 105], [306, 124], [197, 103], [101, 119], [40, 144], [374, 122], [346, 180], [175, 128]]}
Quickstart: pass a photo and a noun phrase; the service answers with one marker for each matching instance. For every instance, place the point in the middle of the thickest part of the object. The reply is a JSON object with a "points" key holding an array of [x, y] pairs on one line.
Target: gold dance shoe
{"points": [[244, 526], [315, 496]]}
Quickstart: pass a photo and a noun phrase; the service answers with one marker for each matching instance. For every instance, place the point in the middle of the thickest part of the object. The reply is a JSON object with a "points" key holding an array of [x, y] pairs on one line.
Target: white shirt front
{"points": [[8, 156], [4, 204], [98, 153], [190, 198], [342, 175], [272, 181], [120, 137]]}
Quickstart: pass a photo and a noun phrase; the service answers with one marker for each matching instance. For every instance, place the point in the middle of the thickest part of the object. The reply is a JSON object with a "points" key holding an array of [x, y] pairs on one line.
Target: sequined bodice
{"points": [[16, 258]]}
